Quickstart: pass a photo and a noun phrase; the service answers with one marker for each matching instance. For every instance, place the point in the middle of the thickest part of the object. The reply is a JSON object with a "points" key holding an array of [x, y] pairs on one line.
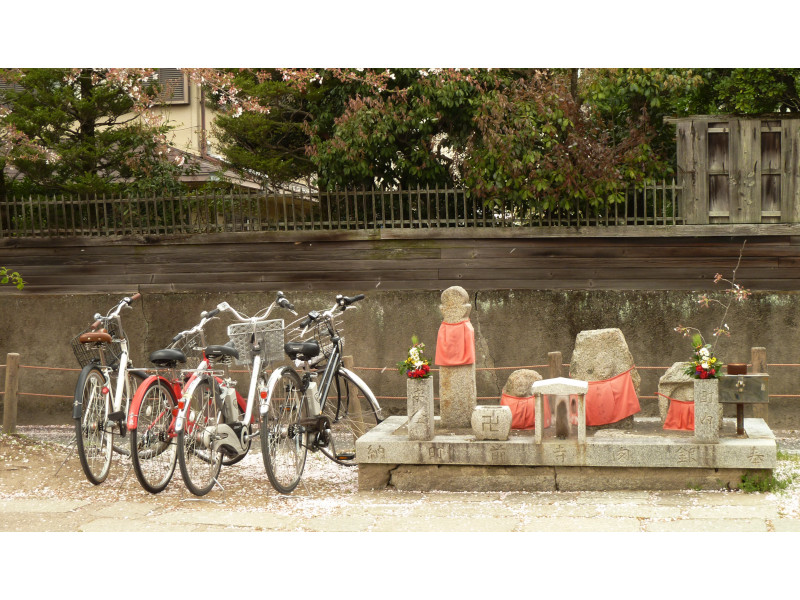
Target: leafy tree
{"points": [[268, 146], [539, 146], [745, 91], [622, 96], [93, 125]]}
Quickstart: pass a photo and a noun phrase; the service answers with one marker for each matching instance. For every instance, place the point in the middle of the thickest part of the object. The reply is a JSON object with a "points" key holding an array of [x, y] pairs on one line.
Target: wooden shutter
{"points": [[174, 86]]}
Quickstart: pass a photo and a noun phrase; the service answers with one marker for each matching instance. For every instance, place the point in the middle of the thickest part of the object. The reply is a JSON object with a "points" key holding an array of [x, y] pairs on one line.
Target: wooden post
{"points": [[10, 397], [758, 357], [353, 403], [555, 364]]}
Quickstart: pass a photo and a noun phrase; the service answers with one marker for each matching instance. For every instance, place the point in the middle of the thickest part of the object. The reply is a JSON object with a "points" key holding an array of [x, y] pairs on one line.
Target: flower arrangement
{"points": [[704, 365], [415, 366]]}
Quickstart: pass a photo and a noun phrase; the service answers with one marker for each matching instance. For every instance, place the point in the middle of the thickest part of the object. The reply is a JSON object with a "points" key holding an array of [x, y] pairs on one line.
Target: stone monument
{"points": [[420, 408], [599, 355], [455, 356], [706, 410], [491, 422], [676, 384]]}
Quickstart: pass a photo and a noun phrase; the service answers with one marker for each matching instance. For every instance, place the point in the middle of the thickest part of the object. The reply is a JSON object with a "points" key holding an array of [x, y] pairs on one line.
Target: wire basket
{"points": [[90, 353], [323, 338], [267, 334], [191, 346]]}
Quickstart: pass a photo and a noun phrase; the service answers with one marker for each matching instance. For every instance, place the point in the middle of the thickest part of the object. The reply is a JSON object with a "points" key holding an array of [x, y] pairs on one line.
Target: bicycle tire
{"points": [[199, 464], [134, 378], [283, 442], [351, 415], [94, 440], [152, 447]]}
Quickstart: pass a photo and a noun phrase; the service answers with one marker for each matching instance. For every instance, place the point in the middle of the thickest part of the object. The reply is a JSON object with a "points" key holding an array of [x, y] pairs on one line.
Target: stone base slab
{"points": [[457, 478], [645, 457]]}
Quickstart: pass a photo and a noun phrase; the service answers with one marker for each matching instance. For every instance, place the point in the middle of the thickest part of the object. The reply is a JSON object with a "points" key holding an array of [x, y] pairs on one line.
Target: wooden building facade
{"points": [[735, 169]]}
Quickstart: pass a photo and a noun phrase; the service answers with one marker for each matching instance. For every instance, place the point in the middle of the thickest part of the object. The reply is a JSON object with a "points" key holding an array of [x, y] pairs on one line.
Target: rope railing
{"points": [[392, 369]]}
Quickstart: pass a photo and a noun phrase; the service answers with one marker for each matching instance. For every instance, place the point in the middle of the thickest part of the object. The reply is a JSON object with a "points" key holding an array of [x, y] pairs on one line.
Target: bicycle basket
{"points": [[88, 353], [323, 338], [191, 346], [268, 335]]}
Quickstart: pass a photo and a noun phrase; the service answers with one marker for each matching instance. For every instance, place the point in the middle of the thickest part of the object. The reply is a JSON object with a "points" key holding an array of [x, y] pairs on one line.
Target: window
{"points": [[174, 86]]}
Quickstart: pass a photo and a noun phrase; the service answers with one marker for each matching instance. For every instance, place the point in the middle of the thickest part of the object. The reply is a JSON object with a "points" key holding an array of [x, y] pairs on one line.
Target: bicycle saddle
{"points": [[167, 358], [92, 337], [217, 352], [301, 350]]}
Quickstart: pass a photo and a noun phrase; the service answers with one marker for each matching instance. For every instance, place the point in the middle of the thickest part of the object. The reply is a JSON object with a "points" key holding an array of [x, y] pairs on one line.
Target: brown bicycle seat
{"points": [[95, 337]]}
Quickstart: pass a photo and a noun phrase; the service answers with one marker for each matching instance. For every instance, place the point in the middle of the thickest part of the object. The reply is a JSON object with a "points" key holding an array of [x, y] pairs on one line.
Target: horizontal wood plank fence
{"points": [[362, 261], [652, 204]]}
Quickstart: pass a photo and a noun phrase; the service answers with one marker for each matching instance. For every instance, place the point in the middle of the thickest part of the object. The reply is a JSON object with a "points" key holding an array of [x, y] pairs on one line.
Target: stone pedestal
{"points": [[420, 408], [706, 410], [491, 422], [560, 386], [458, 396]]}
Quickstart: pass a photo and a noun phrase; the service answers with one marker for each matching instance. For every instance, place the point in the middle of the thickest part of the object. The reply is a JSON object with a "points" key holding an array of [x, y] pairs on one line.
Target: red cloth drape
{"points": [[523, 411], [455, 344], [611, 400], [680, 415]]}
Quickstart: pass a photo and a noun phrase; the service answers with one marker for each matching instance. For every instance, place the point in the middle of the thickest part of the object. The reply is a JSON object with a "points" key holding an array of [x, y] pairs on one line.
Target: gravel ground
{"points": [[42, 488], [325, 489]]}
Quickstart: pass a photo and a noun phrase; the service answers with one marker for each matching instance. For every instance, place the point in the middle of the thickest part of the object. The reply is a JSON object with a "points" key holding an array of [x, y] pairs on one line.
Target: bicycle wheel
{"points": [[283, 440], [93, 438], [132, 381], [199, 464], [152, 445], [351, 415]]}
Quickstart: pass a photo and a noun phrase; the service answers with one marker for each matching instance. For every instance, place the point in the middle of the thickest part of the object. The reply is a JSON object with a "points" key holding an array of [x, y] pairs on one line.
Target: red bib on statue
{"points": [[455, 344]]}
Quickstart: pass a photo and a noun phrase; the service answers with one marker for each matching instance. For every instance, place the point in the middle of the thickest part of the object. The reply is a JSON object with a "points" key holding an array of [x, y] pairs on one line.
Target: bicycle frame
{"points": [[246, 405], [332, 368], [77, 405]]}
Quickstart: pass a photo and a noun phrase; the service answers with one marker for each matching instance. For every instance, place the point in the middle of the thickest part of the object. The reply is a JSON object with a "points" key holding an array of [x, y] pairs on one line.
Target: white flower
{"points": [[704, 352], [704, 365]]}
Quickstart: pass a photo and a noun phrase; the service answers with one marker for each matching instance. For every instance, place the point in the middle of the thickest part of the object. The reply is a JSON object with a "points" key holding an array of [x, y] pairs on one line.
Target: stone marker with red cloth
{"points": [[455, 356]]}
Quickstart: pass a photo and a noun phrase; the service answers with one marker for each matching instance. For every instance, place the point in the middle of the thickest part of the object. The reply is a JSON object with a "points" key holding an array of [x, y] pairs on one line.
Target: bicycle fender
{"points": [[370, 396], [77, 405], [136, 402], [276, 374]]}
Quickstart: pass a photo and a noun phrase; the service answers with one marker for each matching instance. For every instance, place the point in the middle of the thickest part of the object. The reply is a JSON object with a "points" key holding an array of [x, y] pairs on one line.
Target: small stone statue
{"points": [[455, 356]]}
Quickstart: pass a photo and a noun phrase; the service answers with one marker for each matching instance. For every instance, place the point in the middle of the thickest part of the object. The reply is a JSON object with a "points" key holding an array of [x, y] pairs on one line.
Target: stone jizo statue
{"points": [[455, 356]]}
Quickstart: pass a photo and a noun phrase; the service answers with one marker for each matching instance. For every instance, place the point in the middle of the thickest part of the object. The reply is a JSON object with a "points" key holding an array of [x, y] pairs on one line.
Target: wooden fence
{"points": [[653, 204]]}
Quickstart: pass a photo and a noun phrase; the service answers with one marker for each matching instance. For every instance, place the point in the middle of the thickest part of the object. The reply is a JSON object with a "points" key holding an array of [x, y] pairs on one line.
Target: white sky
{"points": [[371, 33]]}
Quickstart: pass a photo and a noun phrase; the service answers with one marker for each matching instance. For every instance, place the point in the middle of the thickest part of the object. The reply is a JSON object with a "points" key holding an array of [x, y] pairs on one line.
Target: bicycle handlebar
{"points": [[281, 301], [342, 303], [205, 317], [114, 312]]}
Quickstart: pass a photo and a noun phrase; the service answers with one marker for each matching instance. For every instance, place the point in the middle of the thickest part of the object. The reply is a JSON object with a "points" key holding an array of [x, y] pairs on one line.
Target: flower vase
{"points": [[706, 410], [420, 408]]}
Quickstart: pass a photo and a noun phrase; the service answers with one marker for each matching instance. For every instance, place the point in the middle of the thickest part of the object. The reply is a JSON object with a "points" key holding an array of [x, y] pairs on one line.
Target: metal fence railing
{"points": [[420, 208]]}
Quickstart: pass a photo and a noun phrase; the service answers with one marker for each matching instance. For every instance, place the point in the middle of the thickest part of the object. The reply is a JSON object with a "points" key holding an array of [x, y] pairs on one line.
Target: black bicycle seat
{"points": [[217, 352], [167, 358], [301, 350]]}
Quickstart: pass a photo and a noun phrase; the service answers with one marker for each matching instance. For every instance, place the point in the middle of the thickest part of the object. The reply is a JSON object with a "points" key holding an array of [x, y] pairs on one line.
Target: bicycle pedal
{"points": [[345, 455]]}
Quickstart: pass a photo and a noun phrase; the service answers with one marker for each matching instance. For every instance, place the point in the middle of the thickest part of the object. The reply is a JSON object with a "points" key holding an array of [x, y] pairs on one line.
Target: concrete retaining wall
{"points": [[513, 328]]}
